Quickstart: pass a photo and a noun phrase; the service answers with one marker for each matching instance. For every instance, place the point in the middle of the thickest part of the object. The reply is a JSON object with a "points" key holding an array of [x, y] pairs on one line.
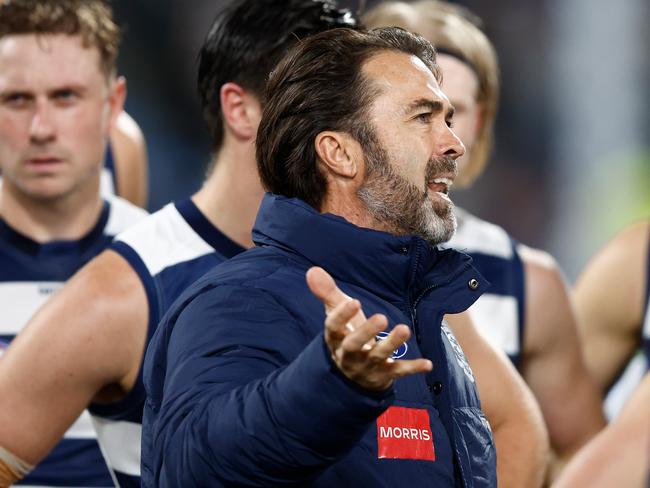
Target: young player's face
{"points": [[409, 173], [56, 109], [460, 84]]}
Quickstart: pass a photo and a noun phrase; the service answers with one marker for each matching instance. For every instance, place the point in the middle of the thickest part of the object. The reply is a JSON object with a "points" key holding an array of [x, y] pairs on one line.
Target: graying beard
{"points": [[433, 230]]}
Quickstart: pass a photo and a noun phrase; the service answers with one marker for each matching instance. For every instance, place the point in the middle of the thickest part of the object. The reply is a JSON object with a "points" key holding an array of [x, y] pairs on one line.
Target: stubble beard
{"points": [[401, 207]]}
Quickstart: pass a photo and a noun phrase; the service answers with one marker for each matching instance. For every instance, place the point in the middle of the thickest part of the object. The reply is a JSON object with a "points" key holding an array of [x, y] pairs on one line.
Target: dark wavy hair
{"points": [[248, 38], [320, 86]]}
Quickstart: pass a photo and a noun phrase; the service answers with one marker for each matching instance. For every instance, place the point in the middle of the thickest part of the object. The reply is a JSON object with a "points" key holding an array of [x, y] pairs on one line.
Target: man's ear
{"points": [[340, 153], [241, 110]]}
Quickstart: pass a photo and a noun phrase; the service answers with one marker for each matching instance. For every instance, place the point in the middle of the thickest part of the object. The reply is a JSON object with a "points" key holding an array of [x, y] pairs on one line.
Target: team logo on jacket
{"points": [[458, 352], [400, 352], [405, 433]]}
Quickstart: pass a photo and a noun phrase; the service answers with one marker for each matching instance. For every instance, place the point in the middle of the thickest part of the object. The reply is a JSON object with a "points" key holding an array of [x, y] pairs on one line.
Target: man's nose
{"points": [[42, 128], [453, 147]]}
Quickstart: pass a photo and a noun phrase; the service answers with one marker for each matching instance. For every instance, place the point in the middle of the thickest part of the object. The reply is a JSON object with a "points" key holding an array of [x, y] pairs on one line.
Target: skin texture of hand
{"points": [[351, 338]]}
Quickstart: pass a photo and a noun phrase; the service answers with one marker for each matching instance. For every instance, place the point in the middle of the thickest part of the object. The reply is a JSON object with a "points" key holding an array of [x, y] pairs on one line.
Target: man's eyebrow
{"points": [[75, 87], [432, 106], [424, 103]]}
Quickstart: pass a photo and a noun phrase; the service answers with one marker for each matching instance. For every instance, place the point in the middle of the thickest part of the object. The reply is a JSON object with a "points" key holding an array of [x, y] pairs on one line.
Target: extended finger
{"points": [[406, 367], [323, 286], [336, 322], [398, 336], [363, 337]]}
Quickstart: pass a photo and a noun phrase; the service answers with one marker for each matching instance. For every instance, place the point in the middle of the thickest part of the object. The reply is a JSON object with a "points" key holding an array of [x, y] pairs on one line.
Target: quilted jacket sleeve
{"points": [[251, 397]]}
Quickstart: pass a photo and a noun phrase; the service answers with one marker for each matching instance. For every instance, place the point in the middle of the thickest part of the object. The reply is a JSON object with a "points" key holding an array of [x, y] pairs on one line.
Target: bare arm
{"points": [[517, 425], [609, 297], [130, 157], [85, 343], [554, 367], [620, 454]]}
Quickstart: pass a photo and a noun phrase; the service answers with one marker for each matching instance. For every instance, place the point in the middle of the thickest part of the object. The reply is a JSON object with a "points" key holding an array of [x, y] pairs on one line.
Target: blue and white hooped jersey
{"points": [[169, 250], [29, 273], [499, 312]]}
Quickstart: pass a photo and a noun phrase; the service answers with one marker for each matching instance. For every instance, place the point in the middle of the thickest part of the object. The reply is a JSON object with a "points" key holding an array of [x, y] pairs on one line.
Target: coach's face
{"points": [[412, 164], [56, 109]]}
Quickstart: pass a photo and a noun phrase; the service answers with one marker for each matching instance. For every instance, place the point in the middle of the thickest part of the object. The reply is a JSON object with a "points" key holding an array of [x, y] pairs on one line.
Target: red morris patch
{"points": [[405, 433]]}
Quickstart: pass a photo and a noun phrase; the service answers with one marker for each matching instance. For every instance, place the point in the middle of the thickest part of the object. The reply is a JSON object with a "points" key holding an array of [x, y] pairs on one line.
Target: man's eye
{"points": [[450, 123], [424, 117], [15, 100], [65, 96]]}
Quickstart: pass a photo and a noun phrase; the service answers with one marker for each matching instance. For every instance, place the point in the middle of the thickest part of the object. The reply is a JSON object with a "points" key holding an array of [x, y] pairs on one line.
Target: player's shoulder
{"points": [[625, 251], [157, 222], [475, 235], [634, 237], [265, 268], [537, 258], [122, 215], [127, 127], [623, 259], [163, 239]]}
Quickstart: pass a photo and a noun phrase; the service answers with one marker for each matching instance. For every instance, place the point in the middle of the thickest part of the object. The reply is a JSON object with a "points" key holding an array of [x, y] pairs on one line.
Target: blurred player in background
{"points": [[611, 296], [620, 454], [125, 165], [59, 101]]}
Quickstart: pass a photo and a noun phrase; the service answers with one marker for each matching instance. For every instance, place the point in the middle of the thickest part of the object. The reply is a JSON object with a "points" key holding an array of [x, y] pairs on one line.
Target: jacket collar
{"points": [[392, 267]]}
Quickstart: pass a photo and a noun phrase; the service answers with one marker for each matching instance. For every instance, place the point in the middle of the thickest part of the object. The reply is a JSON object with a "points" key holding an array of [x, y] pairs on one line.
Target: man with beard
{"points": [[244, 386], [527, 311]]}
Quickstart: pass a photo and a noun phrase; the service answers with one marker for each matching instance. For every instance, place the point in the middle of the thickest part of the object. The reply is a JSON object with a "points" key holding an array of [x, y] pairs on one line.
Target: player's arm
{"points": [[515, 419], [620, 454], [609, 297], [554, 367], [84, 344], [130, 159]]}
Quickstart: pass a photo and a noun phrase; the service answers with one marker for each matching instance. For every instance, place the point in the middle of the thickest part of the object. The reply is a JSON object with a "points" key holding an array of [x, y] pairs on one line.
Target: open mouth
{"points": [[441, 186]]}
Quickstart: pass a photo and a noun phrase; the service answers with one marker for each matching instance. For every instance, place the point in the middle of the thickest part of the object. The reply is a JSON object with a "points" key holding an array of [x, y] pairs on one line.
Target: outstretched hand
{"points": [[351, 338]]}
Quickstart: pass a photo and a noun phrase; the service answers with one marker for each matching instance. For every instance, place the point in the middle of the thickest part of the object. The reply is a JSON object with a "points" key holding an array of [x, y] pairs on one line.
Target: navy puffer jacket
{"points": [[242, 390]]}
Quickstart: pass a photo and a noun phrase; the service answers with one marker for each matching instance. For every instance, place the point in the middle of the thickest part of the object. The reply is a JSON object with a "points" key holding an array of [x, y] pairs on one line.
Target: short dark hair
{"points": [[320, 86], [248, 38], [90, 19]]}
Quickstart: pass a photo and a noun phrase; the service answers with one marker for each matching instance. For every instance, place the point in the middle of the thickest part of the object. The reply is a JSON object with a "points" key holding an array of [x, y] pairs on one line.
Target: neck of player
{"points": [[232, 193], [68, 217]]}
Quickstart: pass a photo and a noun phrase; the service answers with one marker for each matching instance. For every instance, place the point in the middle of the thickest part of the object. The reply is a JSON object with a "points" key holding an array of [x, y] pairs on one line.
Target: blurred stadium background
{"points": [[572, 159]]}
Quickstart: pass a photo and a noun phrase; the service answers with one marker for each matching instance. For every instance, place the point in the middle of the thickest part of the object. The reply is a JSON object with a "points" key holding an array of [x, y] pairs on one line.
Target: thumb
{"points": [[322, 285]]}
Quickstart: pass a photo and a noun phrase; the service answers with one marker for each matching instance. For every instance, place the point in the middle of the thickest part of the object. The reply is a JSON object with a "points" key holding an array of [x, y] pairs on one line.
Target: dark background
{"points": [[571, 162]]}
